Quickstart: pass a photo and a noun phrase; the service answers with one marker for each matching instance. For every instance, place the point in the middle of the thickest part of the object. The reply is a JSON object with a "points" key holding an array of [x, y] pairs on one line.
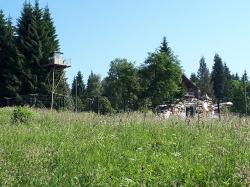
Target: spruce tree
{"points": [[93, 86], [78, 91], [94, 92], [81, 92], [227, 90], [194, 78], [164, 48], [41, 72], [50, 42], [204, 79], [10, 61], [235, 77], [29, 45], [218, 77]]}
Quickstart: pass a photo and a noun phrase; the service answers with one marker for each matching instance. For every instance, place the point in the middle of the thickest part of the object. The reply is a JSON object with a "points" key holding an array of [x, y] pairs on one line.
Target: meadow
{"points": [[133, 149]]}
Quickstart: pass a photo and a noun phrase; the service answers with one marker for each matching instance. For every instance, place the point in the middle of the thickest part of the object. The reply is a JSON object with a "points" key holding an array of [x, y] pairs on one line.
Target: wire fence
{"points": [[37, 100]]}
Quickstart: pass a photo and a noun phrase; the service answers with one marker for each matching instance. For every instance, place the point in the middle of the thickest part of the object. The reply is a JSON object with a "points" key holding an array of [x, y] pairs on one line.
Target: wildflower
{"points": [[176, 154], [139, 149]]}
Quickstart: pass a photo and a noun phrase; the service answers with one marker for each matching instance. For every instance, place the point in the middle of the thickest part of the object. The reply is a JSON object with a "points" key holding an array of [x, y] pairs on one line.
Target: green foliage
{"points": [[218, 77], [78, 84], [204, 82], [78, 90], [194, 78], [93, 86], [161, 76], [227, 90], [238, 96], [10, 60], [22, 115], [122, 86], [144, 105], [37, 41], [29, 45], [69, 149], [93, 92], [105, 106]]}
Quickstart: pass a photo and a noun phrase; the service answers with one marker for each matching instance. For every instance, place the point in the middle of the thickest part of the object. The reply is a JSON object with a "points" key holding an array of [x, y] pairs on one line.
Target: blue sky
{"points": [[92, 33]]}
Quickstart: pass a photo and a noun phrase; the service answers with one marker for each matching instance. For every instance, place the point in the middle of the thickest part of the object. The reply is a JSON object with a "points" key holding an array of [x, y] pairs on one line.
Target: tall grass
{"points": [[68, 149]]}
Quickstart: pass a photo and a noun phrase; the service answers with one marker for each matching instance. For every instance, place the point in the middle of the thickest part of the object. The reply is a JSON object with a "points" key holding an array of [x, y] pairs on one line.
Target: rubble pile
{"points": [[190, 107]]}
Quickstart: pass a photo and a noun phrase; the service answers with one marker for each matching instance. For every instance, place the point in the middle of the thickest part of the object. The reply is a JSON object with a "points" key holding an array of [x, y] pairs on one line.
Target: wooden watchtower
{"points": [[57, 64]]}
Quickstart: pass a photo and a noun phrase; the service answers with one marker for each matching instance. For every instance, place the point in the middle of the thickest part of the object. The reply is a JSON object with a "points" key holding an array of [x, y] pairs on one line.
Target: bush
{"points": [[22, 115]]}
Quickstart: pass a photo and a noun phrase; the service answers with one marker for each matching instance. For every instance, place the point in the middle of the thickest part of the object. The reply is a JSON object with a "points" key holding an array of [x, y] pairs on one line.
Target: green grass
{"points": [[67, 149]]}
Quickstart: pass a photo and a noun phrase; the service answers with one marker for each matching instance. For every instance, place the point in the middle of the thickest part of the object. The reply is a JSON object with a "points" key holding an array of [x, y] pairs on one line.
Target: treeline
{"points": [[128, 88], [156, 81], [28, 46], [24, 50], [222, 85]]}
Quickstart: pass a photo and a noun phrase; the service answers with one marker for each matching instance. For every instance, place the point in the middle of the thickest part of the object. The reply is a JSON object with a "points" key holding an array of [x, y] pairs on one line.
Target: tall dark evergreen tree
{"points": [[235, 77], [194, 78], [93, 86], [29, 44], [10, 60], [227, 90], [80, 87], [41, 72], [50, 42], [204, 79], [244, 77], [94, 91], [218, 77], [78, 92], [164, 48]]}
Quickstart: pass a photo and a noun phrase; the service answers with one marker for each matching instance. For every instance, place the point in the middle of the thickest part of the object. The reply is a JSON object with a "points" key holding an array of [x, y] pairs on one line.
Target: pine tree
{"points": [[93, 86], [78, 92], [10, 60], [218, 77], [51, 42], [164, 48], [244, 77], [41, 72], [235, 77], [194, 78], [204, 79], [94, 92], [29, 45], [81, 92], [227, 90]]}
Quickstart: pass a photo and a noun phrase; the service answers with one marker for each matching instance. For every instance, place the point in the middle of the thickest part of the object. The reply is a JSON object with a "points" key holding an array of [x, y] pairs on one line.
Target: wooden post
{"points": [[218, 104], [245, 93], [53, 87], [76, 95], [98, 105]]}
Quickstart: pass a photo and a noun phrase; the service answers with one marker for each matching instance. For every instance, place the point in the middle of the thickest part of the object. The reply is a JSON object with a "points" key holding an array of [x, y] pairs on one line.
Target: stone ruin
{"points": [[191, 107]]}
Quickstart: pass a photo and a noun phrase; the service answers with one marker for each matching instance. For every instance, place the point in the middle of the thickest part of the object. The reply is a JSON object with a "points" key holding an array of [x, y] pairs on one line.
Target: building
{"points": [[191, 89]]}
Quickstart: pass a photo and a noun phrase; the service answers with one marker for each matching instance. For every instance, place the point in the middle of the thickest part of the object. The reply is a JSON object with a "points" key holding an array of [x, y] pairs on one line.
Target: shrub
{"points": [[22, 115]]}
